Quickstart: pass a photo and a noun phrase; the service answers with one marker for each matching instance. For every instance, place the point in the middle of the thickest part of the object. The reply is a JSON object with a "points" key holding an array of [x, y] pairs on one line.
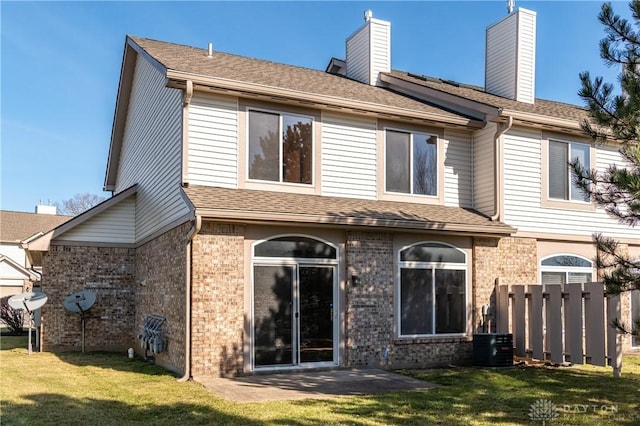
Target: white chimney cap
{"points": [[368, 14]]}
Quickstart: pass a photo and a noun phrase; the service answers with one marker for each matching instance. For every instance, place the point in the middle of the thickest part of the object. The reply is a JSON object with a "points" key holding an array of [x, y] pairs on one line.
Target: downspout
{"points": [[195, 228], [498, 166], [186, 101]]}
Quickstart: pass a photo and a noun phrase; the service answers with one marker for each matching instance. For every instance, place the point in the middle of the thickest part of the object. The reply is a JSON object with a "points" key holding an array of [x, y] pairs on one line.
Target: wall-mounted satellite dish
{"points": [[80, 302], [30, 301]]}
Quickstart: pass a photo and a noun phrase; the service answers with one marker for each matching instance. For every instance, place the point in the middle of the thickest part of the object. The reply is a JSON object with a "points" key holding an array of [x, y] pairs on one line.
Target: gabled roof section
{"points": [[251, 77], [18, 226], [542, 113], [41, 243], [272, 207], [255, 78], [27, 274]]}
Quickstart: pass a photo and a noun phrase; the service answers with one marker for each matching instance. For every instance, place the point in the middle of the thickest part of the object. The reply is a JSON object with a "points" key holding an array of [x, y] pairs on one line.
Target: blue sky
{"points": [[60, 64]]}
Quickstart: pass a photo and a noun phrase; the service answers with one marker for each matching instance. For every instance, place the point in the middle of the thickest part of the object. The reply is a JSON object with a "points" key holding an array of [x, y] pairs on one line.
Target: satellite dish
{"points": [[80, 301], [30, 301]]}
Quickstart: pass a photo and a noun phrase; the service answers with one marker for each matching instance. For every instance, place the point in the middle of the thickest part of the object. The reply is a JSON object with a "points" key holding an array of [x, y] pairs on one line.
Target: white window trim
{"points": [[295, 263], [433, 266], [569, 183], [631, 317], [384, 165], [280, 172], [566, 269]]}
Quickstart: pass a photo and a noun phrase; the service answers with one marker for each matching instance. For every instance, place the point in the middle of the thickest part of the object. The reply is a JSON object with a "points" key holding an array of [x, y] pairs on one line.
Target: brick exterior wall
{"points": [[160, 290], [514, 260], [370, 316], [110, 273], [218, 300], [369, 310]]}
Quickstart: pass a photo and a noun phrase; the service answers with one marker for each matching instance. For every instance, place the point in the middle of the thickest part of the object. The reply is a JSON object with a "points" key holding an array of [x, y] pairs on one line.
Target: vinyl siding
{"points": [[213, 142], [151, 151], [113, 225], [526, 58], [523, 193], [483, 170], [500, 75], [348, 157], [15, 252], [358, 55], [457, 169], [380, 49], [11, 276]]}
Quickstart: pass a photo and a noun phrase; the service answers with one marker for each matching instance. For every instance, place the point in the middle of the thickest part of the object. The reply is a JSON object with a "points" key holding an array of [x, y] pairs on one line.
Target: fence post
{"points": [[554, 322], [594, 319], [574, 332], [536, 339], [614, 339], [518, 320], [502, 311]]}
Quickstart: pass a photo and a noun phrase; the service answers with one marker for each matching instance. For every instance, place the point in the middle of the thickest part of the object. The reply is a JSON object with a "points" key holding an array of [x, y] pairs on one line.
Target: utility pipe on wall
{"points": [[497, 166], [195, 228]]}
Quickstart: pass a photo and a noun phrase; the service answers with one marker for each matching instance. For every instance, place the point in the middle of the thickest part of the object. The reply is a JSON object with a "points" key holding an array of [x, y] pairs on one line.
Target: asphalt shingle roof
{"points": [[257, 71], [475, 93], [17, 226], [304, 208]]}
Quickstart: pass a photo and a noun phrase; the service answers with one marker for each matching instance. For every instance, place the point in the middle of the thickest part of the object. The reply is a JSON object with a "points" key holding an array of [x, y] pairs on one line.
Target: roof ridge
{"points": [[236, 55]]}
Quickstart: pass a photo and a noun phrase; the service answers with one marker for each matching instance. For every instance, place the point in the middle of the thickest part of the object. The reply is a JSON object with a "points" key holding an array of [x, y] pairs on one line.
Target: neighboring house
{"points": [[283, 218], [16, 273]]}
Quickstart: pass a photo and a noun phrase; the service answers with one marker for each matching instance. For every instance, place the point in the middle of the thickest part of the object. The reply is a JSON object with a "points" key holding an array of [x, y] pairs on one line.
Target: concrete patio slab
{"points": [[316, 385]]}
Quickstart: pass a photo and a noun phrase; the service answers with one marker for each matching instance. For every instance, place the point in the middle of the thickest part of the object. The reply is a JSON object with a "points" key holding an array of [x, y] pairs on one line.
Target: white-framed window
{"points": [[635, 314], [432, 290], [280, 147], [560, 175], [411, 163], [566, 268]]}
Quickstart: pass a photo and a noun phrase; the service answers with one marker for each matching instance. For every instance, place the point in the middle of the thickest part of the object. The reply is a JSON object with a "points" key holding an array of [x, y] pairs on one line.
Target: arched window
{"points": [[432, 290], [566, 268], [296, 247]]}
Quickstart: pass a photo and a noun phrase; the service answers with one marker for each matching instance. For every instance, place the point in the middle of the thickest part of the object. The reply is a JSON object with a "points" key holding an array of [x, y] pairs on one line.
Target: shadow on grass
{"points": [[56, 409], [480, 396], [112, 361], [8, 341]]}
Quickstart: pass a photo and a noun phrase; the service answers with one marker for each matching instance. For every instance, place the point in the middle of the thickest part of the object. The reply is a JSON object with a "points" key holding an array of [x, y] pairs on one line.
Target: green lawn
{"points": [[105, 389]]}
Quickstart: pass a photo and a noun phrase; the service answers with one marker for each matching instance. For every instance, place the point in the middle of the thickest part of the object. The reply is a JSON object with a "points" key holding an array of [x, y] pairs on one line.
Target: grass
{"points": [[110, 389]]}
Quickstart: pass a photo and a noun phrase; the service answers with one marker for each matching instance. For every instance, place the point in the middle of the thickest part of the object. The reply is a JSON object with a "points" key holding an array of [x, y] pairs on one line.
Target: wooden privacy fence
{"points": [[573, 324]]}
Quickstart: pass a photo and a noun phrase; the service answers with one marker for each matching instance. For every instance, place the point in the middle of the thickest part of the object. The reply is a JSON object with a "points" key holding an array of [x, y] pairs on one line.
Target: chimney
{"points": [[369, 50], [44, 209], [510, 69]]}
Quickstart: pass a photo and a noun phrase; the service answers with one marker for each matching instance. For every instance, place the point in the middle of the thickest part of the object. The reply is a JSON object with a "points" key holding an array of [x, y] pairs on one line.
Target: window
{"points": [[280, 147], [561, 185], [432, 290], [294, 246], [411, 163], [563, 269], [635, 316]]}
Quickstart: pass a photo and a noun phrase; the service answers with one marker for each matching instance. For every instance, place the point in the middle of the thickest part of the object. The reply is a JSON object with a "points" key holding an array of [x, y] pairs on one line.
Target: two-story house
{"points": [[284, 218]]}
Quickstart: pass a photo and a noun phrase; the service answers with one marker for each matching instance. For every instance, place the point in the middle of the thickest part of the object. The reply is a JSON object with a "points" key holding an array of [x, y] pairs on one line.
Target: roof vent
{"points": [[368, 14], [210, 55], [511, 4]]}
